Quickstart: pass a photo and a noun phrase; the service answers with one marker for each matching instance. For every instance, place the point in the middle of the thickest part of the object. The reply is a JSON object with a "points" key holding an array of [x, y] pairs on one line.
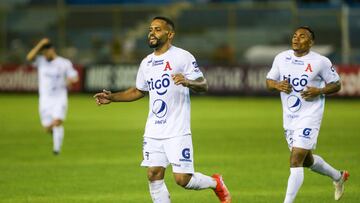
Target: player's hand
{"points": [[179, 79], [310, 93], [44, 41], [284, 86], [103, 97]]}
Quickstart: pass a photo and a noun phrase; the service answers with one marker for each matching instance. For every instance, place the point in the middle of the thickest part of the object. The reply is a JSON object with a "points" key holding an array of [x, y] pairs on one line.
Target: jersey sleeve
{"points": [[274, 73], [141, 83], [328, 72], [70, 70], [191, 69]]}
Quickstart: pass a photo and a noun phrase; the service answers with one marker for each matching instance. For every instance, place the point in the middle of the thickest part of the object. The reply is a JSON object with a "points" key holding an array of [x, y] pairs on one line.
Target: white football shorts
{"points": [[305, 138], [51, 111], [177, 151]]}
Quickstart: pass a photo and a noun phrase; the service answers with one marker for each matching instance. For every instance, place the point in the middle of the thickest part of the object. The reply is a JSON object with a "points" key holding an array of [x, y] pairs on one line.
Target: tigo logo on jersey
{"points": [[160, 84], [296, 82], [293, 103], [159, 108]]}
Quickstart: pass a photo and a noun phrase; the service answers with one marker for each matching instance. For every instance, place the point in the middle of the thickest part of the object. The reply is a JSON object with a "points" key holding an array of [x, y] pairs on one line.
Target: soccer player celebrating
{"points": [[168, 74], [303, 78], [55, 75]]}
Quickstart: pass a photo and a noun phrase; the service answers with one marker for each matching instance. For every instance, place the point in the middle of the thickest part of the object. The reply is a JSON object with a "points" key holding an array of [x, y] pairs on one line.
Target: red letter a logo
{"points": [[167, 66], [308, 68]]}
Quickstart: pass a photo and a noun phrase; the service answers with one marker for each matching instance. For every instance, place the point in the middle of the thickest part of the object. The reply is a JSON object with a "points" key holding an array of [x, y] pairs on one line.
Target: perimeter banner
{"points": [[235, 80], [24, 78]]}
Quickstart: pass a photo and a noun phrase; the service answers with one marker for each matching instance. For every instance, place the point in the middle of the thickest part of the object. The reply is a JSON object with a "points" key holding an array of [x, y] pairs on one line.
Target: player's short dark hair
{"points": [[47, 46], [308, 29], [169, 22]]}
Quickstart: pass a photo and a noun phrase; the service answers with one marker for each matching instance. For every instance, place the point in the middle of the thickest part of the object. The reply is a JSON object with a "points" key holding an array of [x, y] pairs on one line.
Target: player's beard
{"points": [[156, 44]]}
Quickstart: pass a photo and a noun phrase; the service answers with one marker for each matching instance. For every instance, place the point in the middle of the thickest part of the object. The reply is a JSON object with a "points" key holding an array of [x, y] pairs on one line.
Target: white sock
{"points": [[58, 136], [200, 181], [323, 168], [158, 191], [295, 181]]}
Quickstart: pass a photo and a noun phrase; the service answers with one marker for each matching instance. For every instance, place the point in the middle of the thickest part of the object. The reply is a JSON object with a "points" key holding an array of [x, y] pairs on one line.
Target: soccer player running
{"points": [[168, 74], [303, 78], [55, 74]]}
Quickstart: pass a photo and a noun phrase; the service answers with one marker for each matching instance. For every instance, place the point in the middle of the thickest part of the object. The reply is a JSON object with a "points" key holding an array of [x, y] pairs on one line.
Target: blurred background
{"points": [[236, 125], [234, 41]]}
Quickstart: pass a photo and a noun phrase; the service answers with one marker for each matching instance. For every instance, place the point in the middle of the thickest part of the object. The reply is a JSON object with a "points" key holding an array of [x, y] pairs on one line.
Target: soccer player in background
{"points": [[303, 78], [168, 74], [55, 75]]}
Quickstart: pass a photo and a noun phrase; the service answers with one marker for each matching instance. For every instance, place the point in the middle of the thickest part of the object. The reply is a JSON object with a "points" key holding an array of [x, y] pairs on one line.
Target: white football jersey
{"points": [[313, 70], [169, 104], [53, 76]]}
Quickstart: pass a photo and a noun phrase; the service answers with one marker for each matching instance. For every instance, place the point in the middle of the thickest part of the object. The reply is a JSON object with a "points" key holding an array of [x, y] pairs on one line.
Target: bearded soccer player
{"points": [[168, 74], [303, 78], [56, 74]]}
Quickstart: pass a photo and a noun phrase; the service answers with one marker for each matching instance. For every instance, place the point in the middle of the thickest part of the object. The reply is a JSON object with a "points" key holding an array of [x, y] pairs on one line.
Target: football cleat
{"points": [[339, 185], [221, 190]]}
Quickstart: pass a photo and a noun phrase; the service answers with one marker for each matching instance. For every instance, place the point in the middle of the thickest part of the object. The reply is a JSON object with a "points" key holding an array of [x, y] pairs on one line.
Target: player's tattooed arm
{"points": [[106, 97], [311, 92], [281, 86], [197, 85], [34, 51]]}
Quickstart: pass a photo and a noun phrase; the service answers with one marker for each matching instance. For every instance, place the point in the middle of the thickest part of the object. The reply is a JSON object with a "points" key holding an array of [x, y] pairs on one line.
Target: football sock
{"points": [[158, 191], [58, 136], [200, 181], [295, 181], [323, 168]]}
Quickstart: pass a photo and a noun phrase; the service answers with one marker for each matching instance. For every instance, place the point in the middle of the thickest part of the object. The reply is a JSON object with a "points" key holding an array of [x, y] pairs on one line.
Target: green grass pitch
{"points": [[238, 137]]}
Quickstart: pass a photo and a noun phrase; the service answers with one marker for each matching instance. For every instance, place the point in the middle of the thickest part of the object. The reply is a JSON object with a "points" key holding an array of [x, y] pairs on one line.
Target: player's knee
{"points": [[155, 174], [48, 129], [57, 123], [182, 179], [296, 163]]}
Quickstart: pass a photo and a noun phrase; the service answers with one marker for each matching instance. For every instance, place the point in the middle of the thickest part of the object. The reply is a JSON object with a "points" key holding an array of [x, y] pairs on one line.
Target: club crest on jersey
{"points": [[293, 103], [159, 85], [308, 68], [298, 84], [298, 62], [167, 66]]}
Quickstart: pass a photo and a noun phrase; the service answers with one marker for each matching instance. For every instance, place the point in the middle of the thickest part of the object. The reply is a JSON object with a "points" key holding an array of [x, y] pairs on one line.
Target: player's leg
{"points": [[158, 190], [318, 165], [296, 177], [156, 162], [46, 118], [179, 151], [58, 114], [58, 135]]}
